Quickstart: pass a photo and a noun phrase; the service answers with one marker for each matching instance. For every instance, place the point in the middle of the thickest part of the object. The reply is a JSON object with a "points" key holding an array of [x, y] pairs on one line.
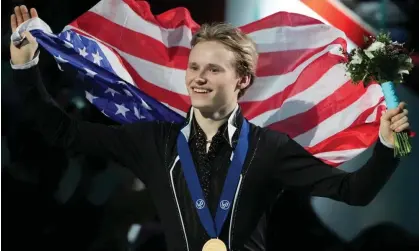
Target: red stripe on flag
{"points": [[146, 48], [332, 104], [349, 139], [281, 62], [178, 101], [358, 135], [171, 19], [279, 19], [310, 75]]}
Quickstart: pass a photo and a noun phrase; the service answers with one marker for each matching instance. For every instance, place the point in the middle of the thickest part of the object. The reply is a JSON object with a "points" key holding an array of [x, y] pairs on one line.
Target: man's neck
{"points": [[210, 122]]}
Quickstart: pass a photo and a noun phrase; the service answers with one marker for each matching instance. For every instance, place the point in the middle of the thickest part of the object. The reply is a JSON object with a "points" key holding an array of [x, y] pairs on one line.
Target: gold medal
{"points": [[214, 245]]}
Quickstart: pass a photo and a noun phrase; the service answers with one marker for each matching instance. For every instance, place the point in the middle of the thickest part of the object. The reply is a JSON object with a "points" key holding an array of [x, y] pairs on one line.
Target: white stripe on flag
{"points": [[265, 87], [115, 63], [322, 89], [340, 156], [123, 15], [295, 38], [340, 120]]}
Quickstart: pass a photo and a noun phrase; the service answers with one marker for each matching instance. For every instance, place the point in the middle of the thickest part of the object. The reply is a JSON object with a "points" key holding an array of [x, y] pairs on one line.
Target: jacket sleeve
{"points": [[123, 144], [298, 169]]}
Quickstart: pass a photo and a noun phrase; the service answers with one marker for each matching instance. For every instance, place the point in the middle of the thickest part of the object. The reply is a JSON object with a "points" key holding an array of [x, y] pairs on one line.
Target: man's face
{"points": [[211, 78]]}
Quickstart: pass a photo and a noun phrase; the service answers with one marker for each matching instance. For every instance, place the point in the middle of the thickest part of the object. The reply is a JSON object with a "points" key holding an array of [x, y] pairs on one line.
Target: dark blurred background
{"points": [[56, 199]]}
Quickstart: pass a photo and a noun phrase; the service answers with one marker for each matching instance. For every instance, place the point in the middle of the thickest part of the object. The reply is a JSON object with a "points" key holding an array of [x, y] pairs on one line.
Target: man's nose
{"points": [[200, 79]]}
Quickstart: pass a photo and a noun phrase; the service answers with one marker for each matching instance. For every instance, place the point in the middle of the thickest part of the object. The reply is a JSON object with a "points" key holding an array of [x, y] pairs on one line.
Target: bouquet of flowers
{"points": [[382, 61]]}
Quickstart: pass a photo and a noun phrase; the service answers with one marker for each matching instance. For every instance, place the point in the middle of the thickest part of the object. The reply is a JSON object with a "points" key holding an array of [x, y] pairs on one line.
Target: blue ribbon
{"points": [[389, 91], [233, 176]]}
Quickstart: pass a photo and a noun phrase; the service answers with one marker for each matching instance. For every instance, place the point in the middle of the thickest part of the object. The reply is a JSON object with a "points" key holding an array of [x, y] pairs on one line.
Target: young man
{"points": [[239, 166]]}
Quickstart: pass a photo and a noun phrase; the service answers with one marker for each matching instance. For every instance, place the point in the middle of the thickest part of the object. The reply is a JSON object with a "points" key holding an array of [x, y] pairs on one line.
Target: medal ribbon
{"points": [[230, 184]]}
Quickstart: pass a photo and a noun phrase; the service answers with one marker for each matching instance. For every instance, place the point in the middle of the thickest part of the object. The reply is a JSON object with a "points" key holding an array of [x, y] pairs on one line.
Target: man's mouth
{"points": [[200, 90]]}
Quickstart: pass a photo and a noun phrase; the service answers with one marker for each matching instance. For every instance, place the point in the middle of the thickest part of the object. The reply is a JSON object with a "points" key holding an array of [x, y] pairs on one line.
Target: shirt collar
{"points": [[233, 124]]}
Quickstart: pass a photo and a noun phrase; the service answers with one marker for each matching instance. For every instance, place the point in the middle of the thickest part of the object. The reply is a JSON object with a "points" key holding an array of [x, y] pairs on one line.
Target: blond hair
{"points": [[235, 40]]}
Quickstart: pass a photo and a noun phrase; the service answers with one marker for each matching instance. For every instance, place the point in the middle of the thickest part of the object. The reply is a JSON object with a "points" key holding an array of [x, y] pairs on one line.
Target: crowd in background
{"points": [[56, 199]]}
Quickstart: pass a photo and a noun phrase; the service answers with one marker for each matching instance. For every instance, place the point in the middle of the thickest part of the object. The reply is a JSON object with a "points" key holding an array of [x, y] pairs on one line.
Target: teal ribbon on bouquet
{"points": [[402, 146]]}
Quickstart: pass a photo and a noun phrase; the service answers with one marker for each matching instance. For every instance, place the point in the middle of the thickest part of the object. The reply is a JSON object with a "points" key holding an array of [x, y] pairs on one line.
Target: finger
{"points": [[403, 127], [402, 105], [25, 13], [390, 114], [399, 116], [18, 14], [29, 37], [13, 22], [34, 13], [398, 123]]}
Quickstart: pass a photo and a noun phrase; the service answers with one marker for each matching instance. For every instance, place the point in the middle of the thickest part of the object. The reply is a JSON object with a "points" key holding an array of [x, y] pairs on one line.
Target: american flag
{"points": [[132, 64]]}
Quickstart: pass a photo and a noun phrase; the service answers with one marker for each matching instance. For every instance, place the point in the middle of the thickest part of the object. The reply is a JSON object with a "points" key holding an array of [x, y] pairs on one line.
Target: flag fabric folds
{"points": [[132, 64]]}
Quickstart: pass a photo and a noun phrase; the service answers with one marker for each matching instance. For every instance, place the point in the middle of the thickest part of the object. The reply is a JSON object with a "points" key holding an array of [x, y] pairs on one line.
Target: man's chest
{"points": [[252, 195]]}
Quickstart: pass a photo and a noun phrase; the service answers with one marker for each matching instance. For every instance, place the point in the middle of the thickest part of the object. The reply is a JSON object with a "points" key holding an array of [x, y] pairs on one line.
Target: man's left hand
{"points": [[394, 120]]}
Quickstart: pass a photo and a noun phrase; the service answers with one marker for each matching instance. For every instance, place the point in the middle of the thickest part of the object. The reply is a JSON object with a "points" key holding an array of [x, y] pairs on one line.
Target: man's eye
{"points": [[214, 70]]}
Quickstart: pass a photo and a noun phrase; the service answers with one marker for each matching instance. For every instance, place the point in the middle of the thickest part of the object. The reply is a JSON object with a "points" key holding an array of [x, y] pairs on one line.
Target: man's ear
{"points": [[243, 82]]}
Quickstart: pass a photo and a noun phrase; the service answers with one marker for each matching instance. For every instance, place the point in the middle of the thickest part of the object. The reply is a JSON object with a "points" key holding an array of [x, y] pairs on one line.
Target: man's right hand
{"points": [[24, 52]]}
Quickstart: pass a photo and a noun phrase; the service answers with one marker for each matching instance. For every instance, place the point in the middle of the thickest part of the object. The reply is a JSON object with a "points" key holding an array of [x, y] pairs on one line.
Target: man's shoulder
{"points": [[158, 132], [154, 126], [269, 136]]}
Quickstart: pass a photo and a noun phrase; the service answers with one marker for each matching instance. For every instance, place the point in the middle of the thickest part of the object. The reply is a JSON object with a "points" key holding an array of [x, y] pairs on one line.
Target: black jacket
{"points": [[274, 162]]}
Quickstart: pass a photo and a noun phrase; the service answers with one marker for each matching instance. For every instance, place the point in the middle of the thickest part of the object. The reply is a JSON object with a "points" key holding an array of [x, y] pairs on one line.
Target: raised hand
{"points": [[394, 120], [24, 52]]}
